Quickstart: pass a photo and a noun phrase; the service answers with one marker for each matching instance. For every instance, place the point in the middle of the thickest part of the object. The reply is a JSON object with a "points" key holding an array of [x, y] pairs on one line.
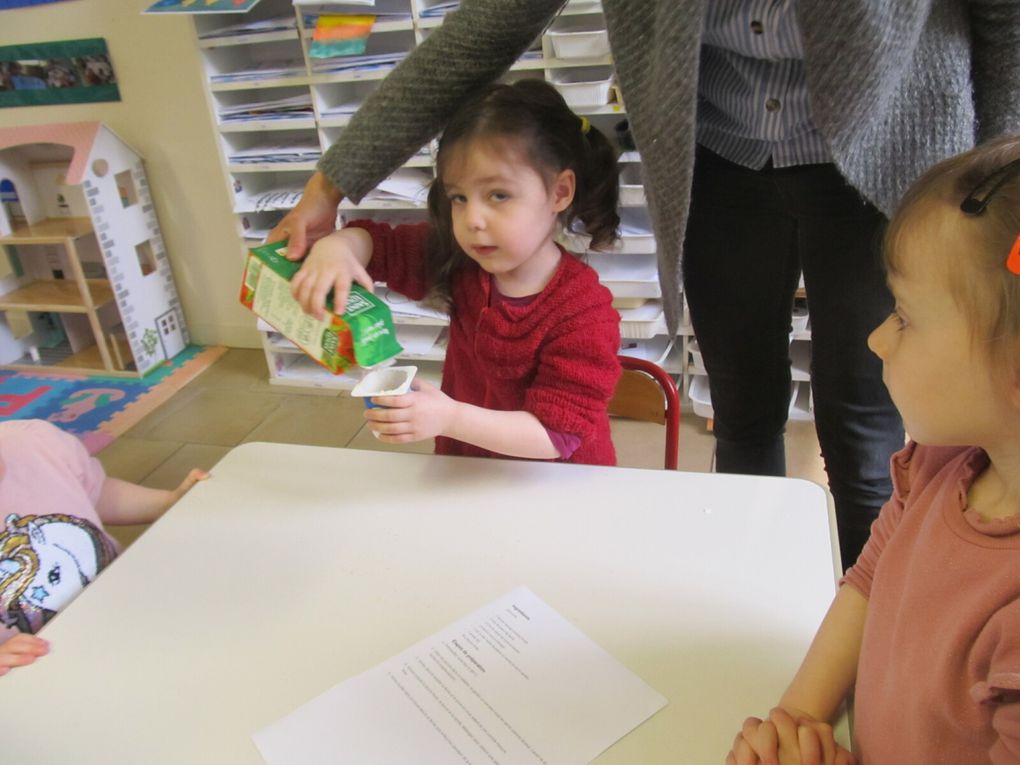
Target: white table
{"points": [[297, 567]]}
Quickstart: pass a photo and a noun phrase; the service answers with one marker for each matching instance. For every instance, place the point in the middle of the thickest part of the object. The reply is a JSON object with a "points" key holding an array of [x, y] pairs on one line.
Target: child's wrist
{"points": [[171, 498], [797, 712], [452, 419]]}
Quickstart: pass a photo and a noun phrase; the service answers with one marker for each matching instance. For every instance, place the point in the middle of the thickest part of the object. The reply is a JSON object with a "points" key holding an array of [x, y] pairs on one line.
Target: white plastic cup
{"points": [[387, 381]]}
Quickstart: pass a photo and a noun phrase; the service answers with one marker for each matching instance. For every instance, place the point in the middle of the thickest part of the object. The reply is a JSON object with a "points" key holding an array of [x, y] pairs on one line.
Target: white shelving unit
{"points": [[268, 157]]}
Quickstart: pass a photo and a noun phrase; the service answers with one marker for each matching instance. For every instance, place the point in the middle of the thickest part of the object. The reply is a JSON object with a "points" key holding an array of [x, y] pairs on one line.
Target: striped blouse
{"points": [[752, 95]]}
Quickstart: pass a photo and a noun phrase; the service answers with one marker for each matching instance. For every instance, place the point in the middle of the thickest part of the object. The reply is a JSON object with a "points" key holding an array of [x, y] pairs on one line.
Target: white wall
{"points": [[164, 114]]}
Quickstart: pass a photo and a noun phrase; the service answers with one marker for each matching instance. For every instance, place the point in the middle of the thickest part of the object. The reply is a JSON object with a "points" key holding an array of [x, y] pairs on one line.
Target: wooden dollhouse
{"points": [[85, 285]]}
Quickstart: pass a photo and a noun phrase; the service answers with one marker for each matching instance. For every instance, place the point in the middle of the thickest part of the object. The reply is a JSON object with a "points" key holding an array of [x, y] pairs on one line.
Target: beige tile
{"points": [[144, 426], [638, 444], [131, 459], [168, 475], [697, 445], [215, 416], [302, 391], [803, 455], [173, 470], [245, 369], [312, 420], [237, 369], [642, 444], [365, 440]]}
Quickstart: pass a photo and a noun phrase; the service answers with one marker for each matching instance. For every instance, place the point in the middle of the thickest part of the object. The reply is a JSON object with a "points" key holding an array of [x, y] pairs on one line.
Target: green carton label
{"points": [[366, 318]]}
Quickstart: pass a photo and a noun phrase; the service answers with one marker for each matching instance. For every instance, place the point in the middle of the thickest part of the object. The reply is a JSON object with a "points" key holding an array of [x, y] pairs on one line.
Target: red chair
{"points": [[647, 392]]}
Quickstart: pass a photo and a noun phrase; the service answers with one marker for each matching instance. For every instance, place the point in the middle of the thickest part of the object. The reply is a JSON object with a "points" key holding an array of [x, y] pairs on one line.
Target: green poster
{"points": [[64, 72]]}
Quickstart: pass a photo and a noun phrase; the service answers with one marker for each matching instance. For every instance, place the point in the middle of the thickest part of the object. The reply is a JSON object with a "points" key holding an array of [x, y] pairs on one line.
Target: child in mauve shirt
{"points": [[926, 625]]}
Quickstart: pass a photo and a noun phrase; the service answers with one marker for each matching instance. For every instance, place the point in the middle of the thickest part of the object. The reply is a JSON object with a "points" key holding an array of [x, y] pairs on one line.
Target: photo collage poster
{"points": [[64, 72]]}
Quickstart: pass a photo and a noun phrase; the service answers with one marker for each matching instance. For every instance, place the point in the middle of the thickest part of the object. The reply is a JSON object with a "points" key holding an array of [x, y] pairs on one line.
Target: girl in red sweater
{"points": [[531, 359], [926, 624]]}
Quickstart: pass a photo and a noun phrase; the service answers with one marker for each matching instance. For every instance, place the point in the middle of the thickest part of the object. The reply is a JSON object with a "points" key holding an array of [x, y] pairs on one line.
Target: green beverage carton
{"points": [[362, 335]]}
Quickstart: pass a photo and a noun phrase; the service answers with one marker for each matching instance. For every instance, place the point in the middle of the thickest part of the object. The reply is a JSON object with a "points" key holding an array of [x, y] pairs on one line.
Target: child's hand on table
{"points": [[196, 475], [21, 650], [423, 412], [784, 739]]}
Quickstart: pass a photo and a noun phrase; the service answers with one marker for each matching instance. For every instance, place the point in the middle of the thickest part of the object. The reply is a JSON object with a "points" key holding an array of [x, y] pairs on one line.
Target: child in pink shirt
{"points": [[926, 625], [54, 502]]}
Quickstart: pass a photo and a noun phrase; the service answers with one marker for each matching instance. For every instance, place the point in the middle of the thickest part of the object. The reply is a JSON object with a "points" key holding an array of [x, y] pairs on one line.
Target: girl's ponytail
{"points": [[598, 187]]}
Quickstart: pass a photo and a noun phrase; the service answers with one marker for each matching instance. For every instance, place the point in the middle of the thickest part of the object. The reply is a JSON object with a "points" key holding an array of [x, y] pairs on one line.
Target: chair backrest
{"points": [[647, 392]]}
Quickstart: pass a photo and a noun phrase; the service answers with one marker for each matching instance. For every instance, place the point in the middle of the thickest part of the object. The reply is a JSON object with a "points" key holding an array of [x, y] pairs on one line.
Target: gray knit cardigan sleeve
{"points": [[895, 86], [995, 59], [474, 46]]}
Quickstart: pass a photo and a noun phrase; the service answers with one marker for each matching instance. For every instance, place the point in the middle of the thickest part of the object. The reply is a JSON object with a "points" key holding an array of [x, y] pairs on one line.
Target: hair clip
{"points": [[1013, 259], [585, 126], [972, 204]]}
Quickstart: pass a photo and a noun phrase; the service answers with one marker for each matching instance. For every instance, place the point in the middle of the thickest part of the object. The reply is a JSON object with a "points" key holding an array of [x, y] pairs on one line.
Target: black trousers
{"points": [[750, 235]]}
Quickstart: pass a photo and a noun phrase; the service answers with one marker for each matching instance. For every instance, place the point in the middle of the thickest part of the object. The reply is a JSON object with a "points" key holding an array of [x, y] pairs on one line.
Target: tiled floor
{"points": [[232, 403]]}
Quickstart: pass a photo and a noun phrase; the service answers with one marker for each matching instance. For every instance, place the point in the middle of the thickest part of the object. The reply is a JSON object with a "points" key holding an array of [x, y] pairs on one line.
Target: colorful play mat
{"points": [[97, 408]]}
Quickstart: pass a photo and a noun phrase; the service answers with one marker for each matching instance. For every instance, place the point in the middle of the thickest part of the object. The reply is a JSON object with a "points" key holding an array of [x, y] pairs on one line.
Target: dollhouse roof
{"points": [[80, 137]]}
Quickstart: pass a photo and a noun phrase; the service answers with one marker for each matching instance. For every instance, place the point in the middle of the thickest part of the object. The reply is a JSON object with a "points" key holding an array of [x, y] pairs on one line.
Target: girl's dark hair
{"points": [[532, 114]]}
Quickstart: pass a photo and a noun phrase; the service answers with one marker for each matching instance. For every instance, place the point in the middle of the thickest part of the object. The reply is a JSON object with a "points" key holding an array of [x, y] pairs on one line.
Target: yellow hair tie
{"points": [[585, 126]]}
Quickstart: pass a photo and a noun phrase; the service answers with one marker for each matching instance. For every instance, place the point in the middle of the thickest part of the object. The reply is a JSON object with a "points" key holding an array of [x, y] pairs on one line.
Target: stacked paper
{"points": [[293, 150], [288, 107]]}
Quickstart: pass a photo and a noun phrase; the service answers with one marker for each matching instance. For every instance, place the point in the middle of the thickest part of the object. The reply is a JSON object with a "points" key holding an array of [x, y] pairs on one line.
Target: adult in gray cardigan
{"points": [[775, 136]]}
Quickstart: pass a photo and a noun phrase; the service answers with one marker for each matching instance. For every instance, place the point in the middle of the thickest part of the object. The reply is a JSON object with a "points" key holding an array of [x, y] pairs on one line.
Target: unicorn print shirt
{"points": [[52, 541]]}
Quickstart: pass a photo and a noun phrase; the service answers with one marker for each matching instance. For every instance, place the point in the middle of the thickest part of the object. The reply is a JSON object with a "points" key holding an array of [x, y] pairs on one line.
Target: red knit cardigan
{"points": [[554, 357]]}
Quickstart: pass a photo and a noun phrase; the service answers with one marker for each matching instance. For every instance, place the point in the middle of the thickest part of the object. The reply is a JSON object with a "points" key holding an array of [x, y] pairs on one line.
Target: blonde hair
{"points": [[987, 293]]}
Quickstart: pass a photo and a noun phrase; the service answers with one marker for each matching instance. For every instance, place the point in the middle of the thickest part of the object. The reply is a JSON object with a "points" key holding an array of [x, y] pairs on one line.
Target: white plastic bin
{"points": [[580, 44], [697, 362], [632, 188], [583, 88], [799, 319], [701, 397]]}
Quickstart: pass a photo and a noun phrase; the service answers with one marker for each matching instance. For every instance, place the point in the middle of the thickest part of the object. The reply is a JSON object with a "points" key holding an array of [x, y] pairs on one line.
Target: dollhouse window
{"points": [[126, 188], [146, 257]]}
